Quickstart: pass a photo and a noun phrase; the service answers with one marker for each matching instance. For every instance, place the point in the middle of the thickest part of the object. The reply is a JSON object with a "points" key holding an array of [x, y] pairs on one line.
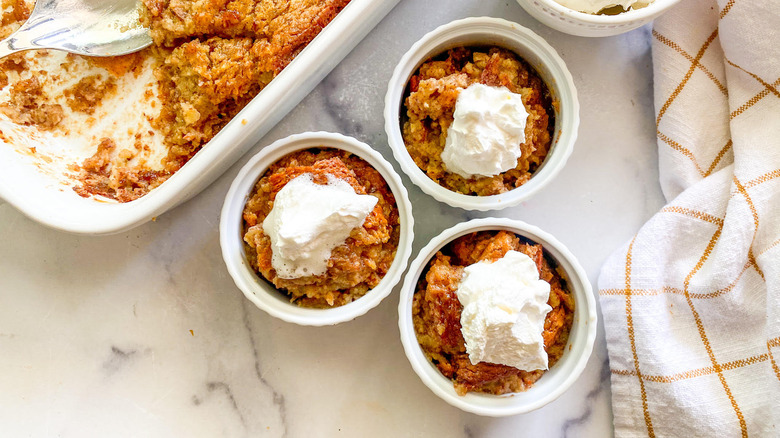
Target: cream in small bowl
{"points": [[316, 229], [481, 113], [433, 336]]}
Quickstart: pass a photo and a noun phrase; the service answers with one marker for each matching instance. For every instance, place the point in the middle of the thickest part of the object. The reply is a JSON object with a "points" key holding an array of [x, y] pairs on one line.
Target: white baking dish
{"points": [[47, 197]]}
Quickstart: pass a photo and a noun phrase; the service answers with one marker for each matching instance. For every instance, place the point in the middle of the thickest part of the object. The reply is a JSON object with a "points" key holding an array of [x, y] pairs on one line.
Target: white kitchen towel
{"points": [[691, 305]]}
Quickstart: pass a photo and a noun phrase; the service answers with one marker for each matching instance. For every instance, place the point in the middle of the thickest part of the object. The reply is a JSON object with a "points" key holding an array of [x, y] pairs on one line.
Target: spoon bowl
{"points": [[84, 27]]}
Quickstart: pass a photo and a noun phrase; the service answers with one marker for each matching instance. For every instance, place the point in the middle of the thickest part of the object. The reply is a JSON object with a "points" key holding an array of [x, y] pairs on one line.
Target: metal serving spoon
{"points": [[85, 27]]}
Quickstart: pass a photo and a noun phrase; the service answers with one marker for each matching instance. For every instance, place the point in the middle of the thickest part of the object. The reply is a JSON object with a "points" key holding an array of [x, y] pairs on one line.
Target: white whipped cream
{"points": [[504, 307], [309, 220], [594, 6], [487, 132]]}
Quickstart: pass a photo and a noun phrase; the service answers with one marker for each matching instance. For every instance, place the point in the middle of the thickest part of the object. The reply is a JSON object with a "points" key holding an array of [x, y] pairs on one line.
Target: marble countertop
{"points": [[144, 333]]}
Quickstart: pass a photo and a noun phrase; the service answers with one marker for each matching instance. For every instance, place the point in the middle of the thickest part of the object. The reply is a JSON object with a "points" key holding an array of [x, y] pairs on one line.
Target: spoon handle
{"points": [[6, 49], [11, 45]]}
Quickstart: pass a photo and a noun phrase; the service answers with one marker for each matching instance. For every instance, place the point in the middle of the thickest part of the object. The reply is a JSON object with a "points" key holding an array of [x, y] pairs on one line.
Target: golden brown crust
{"points": [[217, 55], [286, 25], [436, 313], [430, 104], [355, 267], [173, 20], [204, 84]]}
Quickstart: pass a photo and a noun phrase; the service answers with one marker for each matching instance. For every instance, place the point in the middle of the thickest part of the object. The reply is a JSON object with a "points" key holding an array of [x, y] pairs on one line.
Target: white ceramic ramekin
{"points": [[261, 292], [486, 31], [578, 23], [558, 378]]}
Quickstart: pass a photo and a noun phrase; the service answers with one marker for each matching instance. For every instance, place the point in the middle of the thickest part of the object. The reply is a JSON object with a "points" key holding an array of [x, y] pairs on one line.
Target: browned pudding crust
{"points": [[436, 313], [430, 104], [210, 57], [216, 55], [353, 268]]}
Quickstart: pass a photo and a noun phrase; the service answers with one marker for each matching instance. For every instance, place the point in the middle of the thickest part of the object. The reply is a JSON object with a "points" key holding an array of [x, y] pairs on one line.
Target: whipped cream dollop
{"points": [[309, 220], [504, 307], [595, 6], [485, 138]]}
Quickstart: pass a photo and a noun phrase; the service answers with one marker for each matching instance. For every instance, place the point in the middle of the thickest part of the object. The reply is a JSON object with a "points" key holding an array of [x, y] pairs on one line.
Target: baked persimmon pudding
{"points": [[140, 117], [492, 312], [478, 120], [322, 226]]}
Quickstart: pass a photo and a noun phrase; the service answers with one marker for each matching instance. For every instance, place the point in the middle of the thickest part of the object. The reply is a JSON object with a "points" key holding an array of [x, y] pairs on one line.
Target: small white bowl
{"points": [[261, 292], [578, 23], [486, 31], [557, 379]]}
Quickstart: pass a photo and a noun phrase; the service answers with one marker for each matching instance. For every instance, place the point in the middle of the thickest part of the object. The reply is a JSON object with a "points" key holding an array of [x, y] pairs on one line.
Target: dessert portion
{"points": [[478, 121], [215, 56], [130, 122], [492, 312], [604, 7], [322, 226]]}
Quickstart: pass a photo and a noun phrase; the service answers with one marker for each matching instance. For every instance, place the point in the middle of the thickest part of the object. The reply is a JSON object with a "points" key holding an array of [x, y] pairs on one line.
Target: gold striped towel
{"points": [[691, 305]]}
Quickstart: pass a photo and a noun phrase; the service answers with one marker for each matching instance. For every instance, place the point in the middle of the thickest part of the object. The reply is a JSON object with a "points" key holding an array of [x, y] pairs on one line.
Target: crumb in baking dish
{"points": [[29, 104], [88, 92]]}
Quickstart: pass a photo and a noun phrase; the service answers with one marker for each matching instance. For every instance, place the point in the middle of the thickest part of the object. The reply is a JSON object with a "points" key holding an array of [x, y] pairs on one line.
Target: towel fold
{"points": [[691, 305]]}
